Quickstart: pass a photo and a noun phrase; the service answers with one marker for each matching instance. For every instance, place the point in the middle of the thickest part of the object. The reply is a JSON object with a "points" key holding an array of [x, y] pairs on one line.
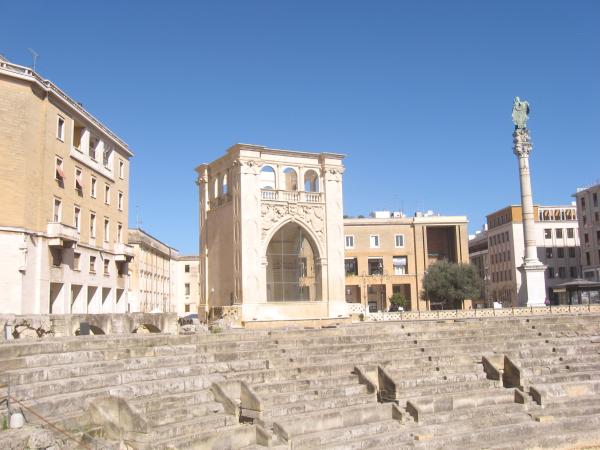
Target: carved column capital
{"points": [[522, 142]]}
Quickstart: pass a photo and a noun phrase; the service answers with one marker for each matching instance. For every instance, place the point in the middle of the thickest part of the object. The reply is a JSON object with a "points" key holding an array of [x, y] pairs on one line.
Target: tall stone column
{"points": [[533, 285]]}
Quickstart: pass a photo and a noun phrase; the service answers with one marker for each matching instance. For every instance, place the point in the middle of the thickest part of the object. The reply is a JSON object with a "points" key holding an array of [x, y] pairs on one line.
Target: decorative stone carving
{"points": [[251, 166], [332, 173], [521, 142], [312, 215]]}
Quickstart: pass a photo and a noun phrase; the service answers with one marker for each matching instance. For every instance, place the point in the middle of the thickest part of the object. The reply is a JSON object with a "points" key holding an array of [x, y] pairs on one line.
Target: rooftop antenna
{"points": [[137, 217], [35, 55]]}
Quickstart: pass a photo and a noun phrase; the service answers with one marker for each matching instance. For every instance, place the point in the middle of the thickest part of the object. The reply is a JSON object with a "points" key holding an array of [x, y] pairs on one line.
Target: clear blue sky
{"points": [[418, 94]]}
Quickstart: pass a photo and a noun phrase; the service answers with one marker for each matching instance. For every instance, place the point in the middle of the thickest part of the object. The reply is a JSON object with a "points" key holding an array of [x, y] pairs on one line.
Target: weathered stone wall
{"points": [[31, 326]]}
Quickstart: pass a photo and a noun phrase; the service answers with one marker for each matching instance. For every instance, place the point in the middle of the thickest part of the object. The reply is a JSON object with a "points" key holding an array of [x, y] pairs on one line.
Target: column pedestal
{"points": [[533, 284]]}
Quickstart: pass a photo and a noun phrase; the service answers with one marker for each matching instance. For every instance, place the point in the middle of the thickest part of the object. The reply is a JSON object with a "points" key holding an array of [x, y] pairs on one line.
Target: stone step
{"points": [[302, 384], [293, 373], [346, 435], [231, 436], [466, 414], [151, 403], [443, 401], [274, 411], [314, 421], [445, 389], [551, 392], [173, 413], [314, 394]]}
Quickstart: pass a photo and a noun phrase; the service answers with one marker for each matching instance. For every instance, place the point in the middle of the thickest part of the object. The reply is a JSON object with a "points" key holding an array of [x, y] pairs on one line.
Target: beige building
{"points": [[479, 257], [188, 279], [271, 233], [64, 190], [385, 255], [557, 241], [588, 211], [153, 271]]}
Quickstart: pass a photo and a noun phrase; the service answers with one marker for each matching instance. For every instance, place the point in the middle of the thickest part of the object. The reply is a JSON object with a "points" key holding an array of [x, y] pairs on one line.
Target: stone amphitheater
{"points": [[495, 383]]}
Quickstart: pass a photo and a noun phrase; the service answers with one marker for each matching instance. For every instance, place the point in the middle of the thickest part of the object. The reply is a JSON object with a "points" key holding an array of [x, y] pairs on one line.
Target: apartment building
{"points": [[387, 254], [64, 189], [153, 274], [557, 240], [588, 212], [188, 279], [479, 257]]}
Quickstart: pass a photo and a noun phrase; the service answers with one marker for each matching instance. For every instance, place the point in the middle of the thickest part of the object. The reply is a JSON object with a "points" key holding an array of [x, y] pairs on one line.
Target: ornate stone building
{"points": [[271, 233]]}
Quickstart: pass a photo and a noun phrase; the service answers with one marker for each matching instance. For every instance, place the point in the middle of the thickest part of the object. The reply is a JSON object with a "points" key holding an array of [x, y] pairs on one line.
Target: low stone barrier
{"points": [[473, 313], [39, 325]]}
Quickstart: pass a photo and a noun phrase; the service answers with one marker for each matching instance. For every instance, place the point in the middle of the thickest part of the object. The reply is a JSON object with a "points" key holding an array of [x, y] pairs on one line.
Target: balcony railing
{"points": [[292, 196], [124, 252]]}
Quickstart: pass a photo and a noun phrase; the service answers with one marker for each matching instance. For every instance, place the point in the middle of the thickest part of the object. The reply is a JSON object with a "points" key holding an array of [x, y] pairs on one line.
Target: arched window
{"points": [[291, 179], [292, 270], [224, 185], [267, 178], [311, 181]]}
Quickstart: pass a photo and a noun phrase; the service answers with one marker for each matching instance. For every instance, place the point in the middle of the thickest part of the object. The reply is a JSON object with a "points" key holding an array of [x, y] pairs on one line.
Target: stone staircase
{"points": [[471, 383]]}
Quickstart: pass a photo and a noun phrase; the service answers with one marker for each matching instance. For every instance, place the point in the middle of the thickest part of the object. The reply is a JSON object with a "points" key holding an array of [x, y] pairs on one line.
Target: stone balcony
{"points": [[124, 252], [61, 235], [292, 196]]}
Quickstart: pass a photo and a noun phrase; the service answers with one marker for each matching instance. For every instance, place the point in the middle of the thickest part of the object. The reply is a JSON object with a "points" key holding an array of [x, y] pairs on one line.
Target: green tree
{"points": [[450, 284], [399, 300]]}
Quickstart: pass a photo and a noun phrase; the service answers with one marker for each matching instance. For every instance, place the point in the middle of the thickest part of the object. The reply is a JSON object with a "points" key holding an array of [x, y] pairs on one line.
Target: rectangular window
{"points": [[562, 272], [399, 240], [106, 157], [59, 173], [349, 241], [93, 188], [107, 267], [559, 233], [187, 307], [374, 240], [77, 218], [570, 233], [92, 225], [584, 220], [76, 261], [92, 264], [400, 264], [573, 272], [92, 149], [78, 180], [120, 233], [56, 256], [351, 266], [56, 210], [107, 194], [547, 233], [586, 238], [595, 199], [587, 258], [571, 252], [106, 229], [375, 266], [120, 201], [560, 252], [596, 217], [549, 253], [60, 129], [550, 272], [187, 288], [121, 169], [187, 268]]}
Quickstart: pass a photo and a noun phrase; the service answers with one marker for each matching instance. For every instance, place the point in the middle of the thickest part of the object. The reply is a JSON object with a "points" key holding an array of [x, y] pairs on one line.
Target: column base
{"points": [[533, 284]]}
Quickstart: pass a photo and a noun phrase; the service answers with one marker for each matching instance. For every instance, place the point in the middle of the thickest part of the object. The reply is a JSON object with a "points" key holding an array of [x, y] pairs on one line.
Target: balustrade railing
{"points": [[292, 196]]}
